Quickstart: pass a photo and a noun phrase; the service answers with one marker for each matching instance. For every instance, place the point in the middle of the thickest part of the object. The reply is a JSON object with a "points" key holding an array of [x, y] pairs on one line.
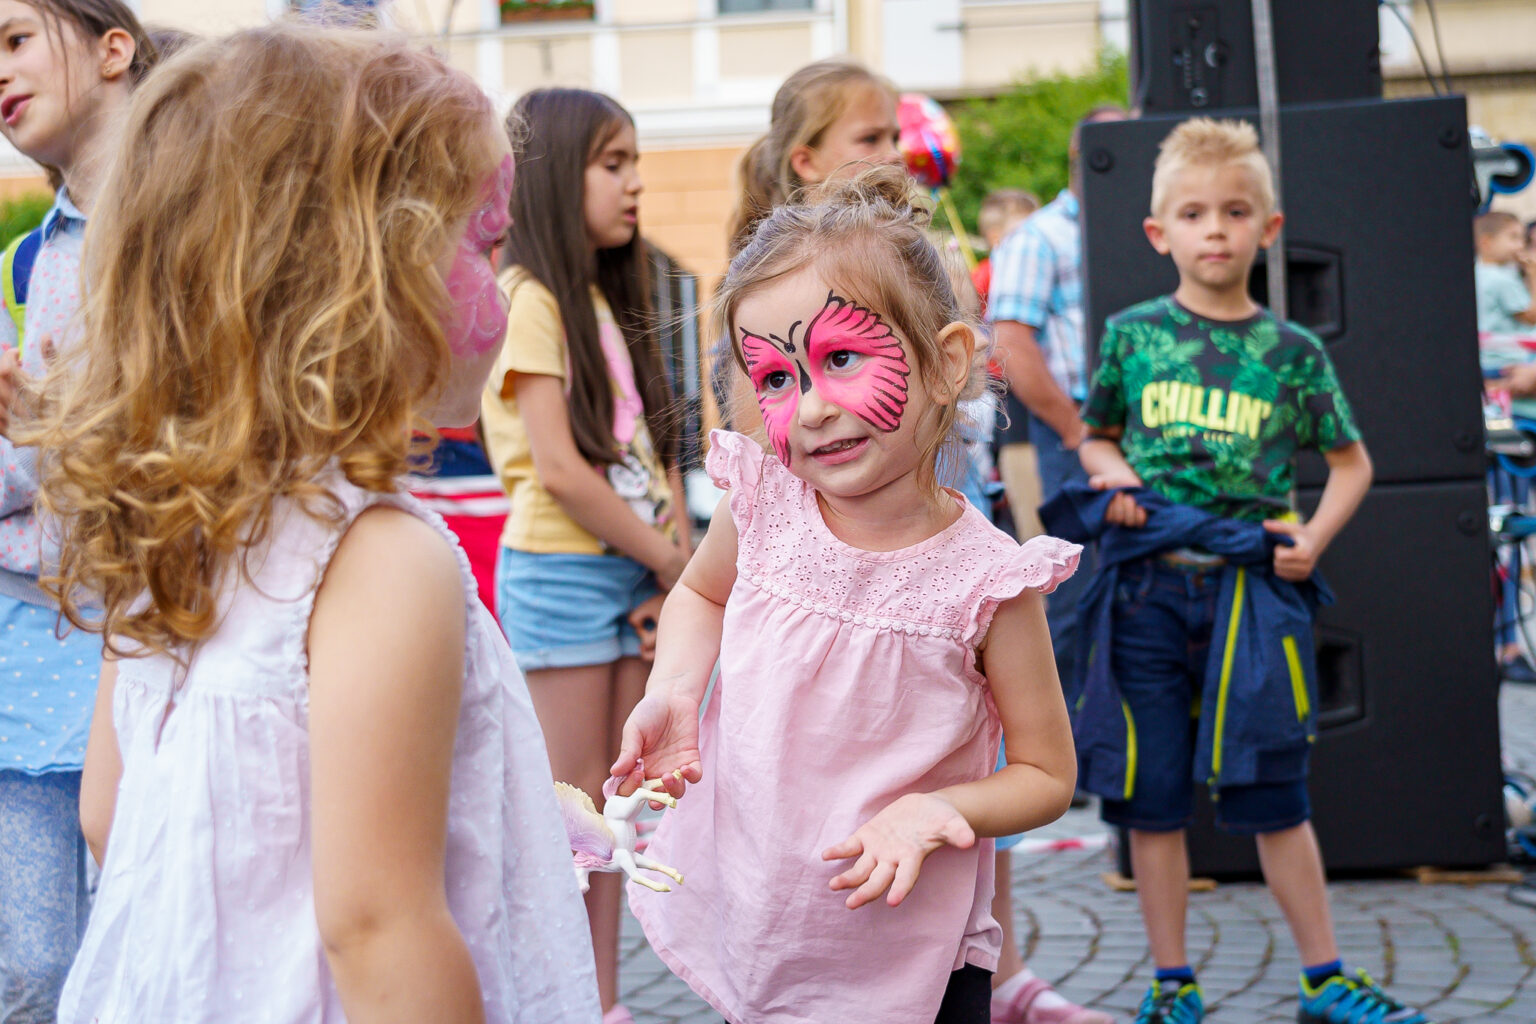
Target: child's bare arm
{"points": [[1349, 478], [1029, 379], [680, 509], [103, 768], [582, 491], [386, 650], [1527, 265], [663, 730], [1033, 789], [10, 384], [1107, 469]]}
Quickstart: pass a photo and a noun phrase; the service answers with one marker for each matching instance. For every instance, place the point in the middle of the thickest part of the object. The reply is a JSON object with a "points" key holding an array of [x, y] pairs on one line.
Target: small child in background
{"points": [[1205, 595], [1001, 211], [1505, 277], [577, 422], [315, 782], [875, 637], [68, 68], [1505, 274], [968, 467]]}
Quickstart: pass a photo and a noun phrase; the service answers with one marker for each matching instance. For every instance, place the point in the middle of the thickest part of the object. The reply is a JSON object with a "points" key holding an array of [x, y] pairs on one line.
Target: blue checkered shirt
{"points": [[1037, 279]]}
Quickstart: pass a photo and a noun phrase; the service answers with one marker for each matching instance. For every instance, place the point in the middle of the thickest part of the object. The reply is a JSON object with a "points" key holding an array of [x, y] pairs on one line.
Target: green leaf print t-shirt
{"points": [[1214, 411]]}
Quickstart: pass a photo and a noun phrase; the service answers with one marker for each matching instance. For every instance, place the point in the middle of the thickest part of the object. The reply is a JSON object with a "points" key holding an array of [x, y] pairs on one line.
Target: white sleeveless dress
{"points": [[205, 910]]}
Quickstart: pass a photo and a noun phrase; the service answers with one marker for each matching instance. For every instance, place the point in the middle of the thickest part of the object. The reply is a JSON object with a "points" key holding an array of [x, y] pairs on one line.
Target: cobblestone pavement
{"points": [[1462, 953]]}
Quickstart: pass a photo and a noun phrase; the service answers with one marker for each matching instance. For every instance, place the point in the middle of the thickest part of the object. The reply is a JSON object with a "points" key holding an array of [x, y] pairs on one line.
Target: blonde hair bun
{"points": [[886, 189]]}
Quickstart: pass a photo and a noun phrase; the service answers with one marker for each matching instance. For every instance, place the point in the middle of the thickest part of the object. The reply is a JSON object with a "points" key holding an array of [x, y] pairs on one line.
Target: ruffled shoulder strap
{"points": [[354, 502], [753, 476], [1041, 564]]}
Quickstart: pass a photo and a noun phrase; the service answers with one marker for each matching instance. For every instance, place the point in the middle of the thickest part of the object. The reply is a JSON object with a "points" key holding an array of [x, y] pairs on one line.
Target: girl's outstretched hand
{"points": [[892, 846], [661, 740]]}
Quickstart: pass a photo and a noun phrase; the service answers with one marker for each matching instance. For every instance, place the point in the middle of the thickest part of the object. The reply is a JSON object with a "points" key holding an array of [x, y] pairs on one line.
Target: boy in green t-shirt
{"points": [[1204, 397]]}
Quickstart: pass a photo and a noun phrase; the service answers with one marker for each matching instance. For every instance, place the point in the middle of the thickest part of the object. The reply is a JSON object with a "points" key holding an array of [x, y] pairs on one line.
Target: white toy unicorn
{"points": [[606, 842]]}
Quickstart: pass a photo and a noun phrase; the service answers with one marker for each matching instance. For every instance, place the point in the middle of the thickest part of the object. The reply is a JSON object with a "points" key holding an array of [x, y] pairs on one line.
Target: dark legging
{"points": [[967, 998]]}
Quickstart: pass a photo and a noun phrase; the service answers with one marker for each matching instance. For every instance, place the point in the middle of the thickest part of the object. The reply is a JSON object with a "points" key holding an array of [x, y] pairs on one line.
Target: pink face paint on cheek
{"points": [[477, 319], [778, 407], [875, 392]]}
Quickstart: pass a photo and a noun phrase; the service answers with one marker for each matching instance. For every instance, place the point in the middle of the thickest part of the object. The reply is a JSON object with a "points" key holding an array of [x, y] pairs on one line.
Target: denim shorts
{"points": [[1002, 843], [563, 611], [1163, 616]]}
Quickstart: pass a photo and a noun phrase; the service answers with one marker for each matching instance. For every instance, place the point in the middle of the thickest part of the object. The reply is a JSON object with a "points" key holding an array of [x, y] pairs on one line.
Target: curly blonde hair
{"points": [[867, 235], [263, 305]]}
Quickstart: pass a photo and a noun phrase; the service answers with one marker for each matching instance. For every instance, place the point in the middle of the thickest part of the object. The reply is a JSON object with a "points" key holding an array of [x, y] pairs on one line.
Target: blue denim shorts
{"points": [[563, 611], [1163, 616], [1002, 843]]}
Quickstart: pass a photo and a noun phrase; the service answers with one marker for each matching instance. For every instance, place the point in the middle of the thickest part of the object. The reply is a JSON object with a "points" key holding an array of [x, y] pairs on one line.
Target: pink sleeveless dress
{"points": [[847, 679]]}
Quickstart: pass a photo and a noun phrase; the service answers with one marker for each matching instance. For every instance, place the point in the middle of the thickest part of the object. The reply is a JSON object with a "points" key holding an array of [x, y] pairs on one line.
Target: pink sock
{"points": [[1048, 999]]}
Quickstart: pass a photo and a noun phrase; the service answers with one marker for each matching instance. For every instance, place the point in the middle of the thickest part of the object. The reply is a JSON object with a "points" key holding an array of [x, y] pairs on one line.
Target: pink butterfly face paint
{"points": [[847, 353], [477, 314]]}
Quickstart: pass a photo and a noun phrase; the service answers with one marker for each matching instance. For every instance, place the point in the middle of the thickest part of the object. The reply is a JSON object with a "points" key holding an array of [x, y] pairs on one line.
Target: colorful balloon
{"points": [[929, 143]]}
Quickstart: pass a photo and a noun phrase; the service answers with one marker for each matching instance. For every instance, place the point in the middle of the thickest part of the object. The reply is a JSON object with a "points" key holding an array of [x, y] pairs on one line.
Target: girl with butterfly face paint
{"points": [[876, 637]]}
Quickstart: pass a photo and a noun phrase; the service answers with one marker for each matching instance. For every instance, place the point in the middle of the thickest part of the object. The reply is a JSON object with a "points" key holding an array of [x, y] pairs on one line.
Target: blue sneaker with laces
{"points": [[1353, 1000], [1169, 1003]]}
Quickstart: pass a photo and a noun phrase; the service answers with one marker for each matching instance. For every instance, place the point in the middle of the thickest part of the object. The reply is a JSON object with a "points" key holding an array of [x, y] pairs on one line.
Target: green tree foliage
{"points": [[1019, 139], [22, 214]]}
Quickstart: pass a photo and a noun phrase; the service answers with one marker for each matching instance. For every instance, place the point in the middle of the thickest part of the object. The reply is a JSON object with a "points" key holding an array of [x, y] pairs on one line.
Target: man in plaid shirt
{"points": [[1036, 311]]}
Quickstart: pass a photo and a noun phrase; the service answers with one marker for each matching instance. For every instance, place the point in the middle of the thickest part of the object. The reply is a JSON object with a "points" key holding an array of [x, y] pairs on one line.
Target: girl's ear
{"points": [[115, 50], [802, 160], [957, 349]]}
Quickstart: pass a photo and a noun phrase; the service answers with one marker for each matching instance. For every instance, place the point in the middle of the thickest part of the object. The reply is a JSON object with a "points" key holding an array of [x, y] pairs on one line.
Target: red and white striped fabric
{"points": [[474, 507]]}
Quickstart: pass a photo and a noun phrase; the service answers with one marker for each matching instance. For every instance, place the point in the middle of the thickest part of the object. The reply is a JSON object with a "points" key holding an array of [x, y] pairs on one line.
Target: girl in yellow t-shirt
{"points": [[575, 417]]}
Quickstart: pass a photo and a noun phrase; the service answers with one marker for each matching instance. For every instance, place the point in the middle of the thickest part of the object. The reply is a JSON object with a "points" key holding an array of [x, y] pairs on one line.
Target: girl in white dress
{"points": [[314, 781]]}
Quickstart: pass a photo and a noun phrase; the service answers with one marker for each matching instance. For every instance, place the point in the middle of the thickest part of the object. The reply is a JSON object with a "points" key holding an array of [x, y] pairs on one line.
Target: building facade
{"points": [[699, 75]]}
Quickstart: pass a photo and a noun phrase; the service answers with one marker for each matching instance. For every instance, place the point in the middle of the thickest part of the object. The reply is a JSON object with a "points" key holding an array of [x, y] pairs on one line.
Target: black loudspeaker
{"points": [[1406, 767], [1196, 55], [1378, 199]]}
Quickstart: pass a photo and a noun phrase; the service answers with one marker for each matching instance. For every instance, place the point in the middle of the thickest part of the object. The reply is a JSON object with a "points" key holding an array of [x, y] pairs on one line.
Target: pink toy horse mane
{"points": [[606, 841]]}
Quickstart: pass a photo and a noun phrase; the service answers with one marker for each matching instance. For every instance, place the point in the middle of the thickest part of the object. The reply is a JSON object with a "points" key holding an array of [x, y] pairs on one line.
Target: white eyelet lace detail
{"points": [[947, 586], [784, 593]]}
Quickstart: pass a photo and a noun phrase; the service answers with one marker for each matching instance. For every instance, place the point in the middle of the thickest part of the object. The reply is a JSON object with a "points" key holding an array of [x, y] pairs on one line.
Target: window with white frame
{"points": [[758, 6]]}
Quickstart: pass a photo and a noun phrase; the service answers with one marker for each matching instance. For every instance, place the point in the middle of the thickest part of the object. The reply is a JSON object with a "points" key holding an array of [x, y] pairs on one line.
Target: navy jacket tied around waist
{"points": [[1257, 717]]}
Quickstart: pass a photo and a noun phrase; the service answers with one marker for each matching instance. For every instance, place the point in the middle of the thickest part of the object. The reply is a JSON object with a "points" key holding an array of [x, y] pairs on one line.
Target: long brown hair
{"points": [[264, 305], [808, 103], [560, 132]]}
